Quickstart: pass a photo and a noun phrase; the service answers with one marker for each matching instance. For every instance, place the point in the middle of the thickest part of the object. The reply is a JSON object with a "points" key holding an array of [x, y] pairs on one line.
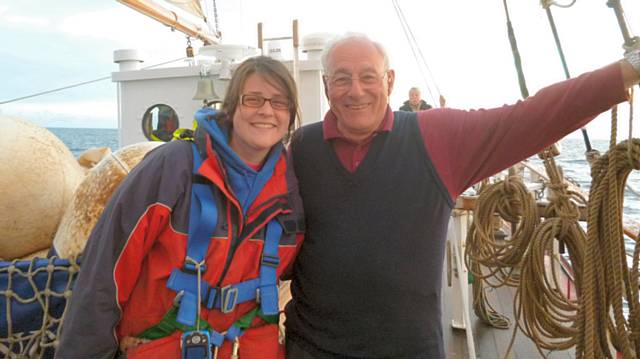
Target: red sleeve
{"points": [[467, 146]]}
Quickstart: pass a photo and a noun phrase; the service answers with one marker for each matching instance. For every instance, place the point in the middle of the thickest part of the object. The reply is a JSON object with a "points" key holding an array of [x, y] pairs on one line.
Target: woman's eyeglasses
{"points": [[257, 101]]}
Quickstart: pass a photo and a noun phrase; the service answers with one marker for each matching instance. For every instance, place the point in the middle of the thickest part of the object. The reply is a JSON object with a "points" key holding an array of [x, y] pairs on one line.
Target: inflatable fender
{"points": [[92, 195], [38, 175]]}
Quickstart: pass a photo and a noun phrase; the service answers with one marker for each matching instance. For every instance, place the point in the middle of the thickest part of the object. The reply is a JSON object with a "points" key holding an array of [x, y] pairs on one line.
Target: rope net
{"points": [[33, 297]]}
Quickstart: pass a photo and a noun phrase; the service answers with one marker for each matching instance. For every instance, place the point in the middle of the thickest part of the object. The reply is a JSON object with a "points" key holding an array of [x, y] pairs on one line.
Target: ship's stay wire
{"points": [[78, 84], [417, 54]]}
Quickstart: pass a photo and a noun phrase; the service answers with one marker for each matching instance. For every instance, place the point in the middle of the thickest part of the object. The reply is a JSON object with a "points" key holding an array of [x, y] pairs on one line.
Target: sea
{"points": [[571, 159], [575, 168]]}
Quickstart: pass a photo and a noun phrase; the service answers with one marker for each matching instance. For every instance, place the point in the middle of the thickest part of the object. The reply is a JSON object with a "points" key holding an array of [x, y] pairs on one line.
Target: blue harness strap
{"points": [[203, 218], [268, 287]]}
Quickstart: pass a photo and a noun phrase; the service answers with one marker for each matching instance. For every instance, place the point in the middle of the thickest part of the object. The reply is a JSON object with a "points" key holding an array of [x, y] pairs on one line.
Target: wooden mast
{"points": [[172, 19]]}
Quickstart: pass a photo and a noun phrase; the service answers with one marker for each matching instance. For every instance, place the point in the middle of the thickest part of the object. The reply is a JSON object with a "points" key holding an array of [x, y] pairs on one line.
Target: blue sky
{"points": [[45, 48], [463, 41]]}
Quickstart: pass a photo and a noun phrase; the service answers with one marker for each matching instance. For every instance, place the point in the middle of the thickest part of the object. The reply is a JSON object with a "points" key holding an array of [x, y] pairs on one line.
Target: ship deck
{"points": [[490, 342]]}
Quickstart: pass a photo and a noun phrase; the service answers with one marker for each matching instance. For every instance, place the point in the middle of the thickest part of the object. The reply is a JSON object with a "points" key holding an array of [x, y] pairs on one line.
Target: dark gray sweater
{"points": [[367, 281]]}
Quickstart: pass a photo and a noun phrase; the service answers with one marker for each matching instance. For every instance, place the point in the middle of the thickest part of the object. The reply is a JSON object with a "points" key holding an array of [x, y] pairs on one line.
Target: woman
{"points": [[226, 228]]}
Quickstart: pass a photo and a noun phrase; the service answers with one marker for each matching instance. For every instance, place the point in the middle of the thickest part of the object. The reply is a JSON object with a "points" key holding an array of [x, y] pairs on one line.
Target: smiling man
{"points": [[378, 187]]}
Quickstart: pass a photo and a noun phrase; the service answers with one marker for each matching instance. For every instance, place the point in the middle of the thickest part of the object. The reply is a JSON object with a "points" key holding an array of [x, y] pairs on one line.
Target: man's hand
{"points": [[443, 101]]}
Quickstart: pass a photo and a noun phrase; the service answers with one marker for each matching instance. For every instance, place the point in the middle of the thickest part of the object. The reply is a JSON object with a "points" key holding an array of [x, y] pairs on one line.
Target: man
{"points": [[415, 103], [378, 188]]}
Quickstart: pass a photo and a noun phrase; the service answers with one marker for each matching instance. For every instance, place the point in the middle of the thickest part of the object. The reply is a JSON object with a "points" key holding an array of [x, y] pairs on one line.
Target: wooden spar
{"points": [[171, 19]]}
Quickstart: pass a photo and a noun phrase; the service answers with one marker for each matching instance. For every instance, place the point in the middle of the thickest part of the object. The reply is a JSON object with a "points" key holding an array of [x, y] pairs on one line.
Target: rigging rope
{"points": [[516, 54], [556, 38], [415, 49], [608, 281], [80, 84], [630, 42], [547, 3], [215, 19], [511, 200], [543, 311]]}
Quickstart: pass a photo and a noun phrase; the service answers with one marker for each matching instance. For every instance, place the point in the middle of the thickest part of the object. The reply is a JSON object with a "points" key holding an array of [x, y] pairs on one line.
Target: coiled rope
{"points": [[544, 322], [545, 313], [512, 201], [608, 281]]}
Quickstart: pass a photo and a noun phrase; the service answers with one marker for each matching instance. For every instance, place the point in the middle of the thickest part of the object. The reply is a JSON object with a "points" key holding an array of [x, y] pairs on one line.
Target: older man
{"points": [[378, 188], [415, 102]]}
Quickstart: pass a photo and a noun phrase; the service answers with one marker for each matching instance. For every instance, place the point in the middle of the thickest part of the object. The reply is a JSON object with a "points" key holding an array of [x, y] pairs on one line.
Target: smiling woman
{"points": [[227, 197], [256, 124]]}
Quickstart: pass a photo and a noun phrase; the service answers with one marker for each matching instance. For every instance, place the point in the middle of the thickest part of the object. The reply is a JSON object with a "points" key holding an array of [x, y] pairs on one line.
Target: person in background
{"points": [[378, 188], [415, 103], [194, 233], [167, 124]]}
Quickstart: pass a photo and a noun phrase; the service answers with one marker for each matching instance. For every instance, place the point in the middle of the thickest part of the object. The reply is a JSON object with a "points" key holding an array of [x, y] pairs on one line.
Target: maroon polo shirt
{"points": [[466, 146], [349, 152]]}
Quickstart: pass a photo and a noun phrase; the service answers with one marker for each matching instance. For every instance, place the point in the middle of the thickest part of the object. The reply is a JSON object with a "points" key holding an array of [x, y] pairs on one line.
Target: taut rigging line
{"points": [[556, 37], [78, 84], [630, 42], [415, 49]]}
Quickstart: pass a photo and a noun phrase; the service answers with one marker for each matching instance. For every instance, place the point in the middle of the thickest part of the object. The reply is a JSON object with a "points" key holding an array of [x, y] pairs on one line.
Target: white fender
{"points": [[92, 196], [38, 175]]}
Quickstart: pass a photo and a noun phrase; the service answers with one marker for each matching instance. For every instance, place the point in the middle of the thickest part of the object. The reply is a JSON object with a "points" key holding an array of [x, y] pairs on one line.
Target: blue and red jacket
{"points": [[142, 236]]}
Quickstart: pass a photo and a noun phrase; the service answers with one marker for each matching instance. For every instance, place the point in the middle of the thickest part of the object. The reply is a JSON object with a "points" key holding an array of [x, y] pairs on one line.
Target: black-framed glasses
{"points": [[257, 101], [345, 80]]}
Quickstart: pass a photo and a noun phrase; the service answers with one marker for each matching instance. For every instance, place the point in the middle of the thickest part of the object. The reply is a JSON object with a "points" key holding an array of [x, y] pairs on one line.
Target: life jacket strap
{"points": [[268, 288], [203, 217], [168, 325]]}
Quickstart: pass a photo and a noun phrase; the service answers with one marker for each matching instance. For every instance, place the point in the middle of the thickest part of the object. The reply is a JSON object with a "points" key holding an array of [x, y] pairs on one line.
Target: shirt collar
{"points": [[330, 125]]}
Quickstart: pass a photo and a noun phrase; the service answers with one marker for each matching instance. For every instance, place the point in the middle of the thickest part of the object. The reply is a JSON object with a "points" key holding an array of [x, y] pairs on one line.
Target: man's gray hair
{"points": [[351, 36]]}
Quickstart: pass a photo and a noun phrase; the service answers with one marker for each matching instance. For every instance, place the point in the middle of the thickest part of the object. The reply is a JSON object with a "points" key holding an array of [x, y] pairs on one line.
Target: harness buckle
{"points": [[191, 266], [178, 298], [228, 299], [271, 261]]}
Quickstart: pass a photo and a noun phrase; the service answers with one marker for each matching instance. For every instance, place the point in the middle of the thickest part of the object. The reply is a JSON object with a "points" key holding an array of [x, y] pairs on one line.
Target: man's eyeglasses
{"points": [[257, 101], [344, 80]]}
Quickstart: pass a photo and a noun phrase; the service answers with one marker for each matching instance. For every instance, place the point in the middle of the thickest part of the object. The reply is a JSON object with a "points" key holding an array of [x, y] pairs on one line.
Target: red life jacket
{"points": [[141, 311]]}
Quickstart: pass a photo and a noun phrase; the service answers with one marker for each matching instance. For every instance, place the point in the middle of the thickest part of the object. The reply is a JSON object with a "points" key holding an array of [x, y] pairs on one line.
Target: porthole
{"points": [[159, 122]]}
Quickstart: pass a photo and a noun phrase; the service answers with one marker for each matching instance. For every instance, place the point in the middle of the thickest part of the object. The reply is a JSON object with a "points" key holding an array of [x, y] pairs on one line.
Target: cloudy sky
{"points": [[464, 43]]}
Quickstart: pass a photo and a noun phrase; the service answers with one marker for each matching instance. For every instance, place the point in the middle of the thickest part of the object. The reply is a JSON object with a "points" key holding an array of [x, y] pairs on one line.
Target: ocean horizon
{"points": [[571, 159]]}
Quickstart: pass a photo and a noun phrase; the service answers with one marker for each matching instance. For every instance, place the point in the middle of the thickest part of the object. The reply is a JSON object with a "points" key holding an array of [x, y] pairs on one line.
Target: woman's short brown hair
{"points": [[272, 71]]}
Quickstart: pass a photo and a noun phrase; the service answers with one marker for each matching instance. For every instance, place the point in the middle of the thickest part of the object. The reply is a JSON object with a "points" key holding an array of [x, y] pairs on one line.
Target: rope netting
{"points": [[33, 297]]}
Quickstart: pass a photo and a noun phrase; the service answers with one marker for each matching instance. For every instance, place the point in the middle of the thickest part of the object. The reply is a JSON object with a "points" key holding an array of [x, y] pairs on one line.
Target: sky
{"points": [[464, 42]]}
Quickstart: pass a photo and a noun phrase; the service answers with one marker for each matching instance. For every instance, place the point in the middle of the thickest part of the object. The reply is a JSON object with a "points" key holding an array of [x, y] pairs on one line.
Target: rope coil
{"points": [[609, 283], [545, 312], [511, 200]]}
